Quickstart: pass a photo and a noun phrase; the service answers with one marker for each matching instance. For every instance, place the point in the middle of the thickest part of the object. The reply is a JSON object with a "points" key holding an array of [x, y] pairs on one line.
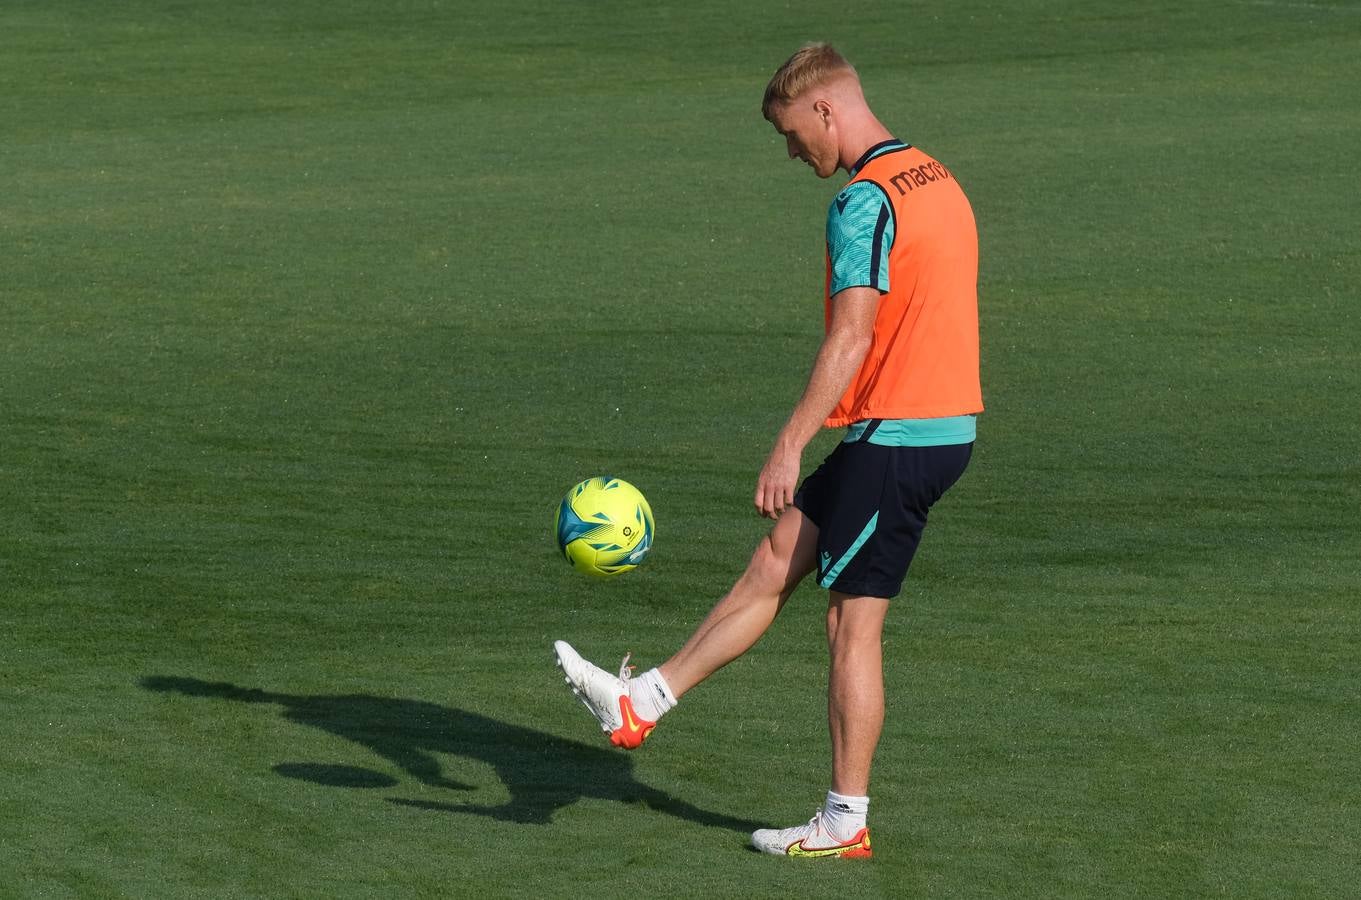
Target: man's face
{"points": [[808, 134]]}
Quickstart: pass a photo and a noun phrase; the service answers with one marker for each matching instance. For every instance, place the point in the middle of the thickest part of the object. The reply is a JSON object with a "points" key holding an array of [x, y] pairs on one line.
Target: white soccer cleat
{"points": [[812, 841], [605, 695]]}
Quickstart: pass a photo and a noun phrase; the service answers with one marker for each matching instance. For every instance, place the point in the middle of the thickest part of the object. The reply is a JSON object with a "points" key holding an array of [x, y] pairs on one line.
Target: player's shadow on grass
{"points": [[542, 772]]}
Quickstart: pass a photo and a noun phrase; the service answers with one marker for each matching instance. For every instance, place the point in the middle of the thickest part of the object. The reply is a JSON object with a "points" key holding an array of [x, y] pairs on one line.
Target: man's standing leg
{"points": [[855, 688], [855, 718]]}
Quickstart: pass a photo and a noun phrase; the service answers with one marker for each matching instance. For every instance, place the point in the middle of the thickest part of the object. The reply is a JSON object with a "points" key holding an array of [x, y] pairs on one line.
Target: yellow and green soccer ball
{"points": [[604, 526]]}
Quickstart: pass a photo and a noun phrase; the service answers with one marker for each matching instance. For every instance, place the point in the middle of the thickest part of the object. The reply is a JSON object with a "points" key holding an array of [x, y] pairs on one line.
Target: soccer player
{"points": [[898, 370]]}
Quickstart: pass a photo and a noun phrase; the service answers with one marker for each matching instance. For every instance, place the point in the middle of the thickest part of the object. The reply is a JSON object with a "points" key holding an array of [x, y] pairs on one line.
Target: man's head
{"points": [[814, 100]]}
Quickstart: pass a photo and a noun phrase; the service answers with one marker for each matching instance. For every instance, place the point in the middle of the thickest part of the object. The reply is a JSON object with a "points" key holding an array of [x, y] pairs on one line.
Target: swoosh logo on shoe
{"points": [[632, 731], [858, 847]]}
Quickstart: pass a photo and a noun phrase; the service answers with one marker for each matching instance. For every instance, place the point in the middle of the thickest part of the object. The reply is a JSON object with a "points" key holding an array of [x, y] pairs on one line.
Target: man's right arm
{"points": [[838, 360]]}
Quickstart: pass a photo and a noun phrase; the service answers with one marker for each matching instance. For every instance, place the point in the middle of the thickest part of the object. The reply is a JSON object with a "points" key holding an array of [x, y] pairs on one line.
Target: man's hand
{"points": [[777, 481]]}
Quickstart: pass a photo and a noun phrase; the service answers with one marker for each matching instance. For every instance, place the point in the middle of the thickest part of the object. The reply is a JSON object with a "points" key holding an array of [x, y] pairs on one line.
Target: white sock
{"points": [[651, 695], [844, 816]]}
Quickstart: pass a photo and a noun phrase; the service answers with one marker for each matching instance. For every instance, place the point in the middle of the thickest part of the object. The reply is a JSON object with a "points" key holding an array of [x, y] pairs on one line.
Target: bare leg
{"points": [[855, 688], [736, 622]]}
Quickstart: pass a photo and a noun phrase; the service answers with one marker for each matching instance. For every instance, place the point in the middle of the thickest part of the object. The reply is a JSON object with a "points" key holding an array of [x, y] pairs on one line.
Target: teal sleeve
{"points": [[859, 235]]}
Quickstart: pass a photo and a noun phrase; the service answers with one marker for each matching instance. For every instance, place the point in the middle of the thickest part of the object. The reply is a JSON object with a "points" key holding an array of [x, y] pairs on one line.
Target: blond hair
{"points": [[812, 65]]}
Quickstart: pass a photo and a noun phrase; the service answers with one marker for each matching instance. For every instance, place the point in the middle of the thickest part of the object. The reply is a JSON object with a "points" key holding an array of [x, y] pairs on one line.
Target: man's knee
{"points": [[784, 555], [855, 621], [769, 567]]}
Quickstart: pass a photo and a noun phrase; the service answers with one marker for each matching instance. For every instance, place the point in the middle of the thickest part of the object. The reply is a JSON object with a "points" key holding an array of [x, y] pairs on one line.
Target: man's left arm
{"points": [[838, 359]]}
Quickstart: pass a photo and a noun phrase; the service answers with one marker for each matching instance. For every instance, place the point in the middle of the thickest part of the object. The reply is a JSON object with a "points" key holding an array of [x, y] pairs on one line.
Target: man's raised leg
{"points": [[627, 709], [736, 622]]}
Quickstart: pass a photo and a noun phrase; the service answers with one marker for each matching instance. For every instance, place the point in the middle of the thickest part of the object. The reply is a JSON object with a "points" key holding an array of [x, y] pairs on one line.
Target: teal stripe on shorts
{"points": [[832, 573]]}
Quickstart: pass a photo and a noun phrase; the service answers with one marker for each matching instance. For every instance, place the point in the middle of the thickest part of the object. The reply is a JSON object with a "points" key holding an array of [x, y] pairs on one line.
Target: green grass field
{"points": [[311, 312]]}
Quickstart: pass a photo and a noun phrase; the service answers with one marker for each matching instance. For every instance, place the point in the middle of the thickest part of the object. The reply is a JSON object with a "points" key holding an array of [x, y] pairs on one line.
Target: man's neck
{"points": [[859, 142]]}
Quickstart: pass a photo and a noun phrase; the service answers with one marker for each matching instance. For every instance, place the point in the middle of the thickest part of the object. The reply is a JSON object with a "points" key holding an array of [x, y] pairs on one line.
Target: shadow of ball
{"points": [[336, 776]]}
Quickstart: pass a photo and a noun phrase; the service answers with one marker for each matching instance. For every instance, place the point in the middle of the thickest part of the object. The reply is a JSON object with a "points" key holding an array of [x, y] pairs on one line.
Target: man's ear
{"points": [[823, 109]]}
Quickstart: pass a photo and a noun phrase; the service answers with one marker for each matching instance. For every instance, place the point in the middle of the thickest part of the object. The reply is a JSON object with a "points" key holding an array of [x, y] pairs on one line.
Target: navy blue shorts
{"points": [[869, 503]]}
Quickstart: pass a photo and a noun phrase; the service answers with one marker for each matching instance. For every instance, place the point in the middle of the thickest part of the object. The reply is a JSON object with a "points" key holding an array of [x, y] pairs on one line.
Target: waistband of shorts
{"points": [[914, 432]]}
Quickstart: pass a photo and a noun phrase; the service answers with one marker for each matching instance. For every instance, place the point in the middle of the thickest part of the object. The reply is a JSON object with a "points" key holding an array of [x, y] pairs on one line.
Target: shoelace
{"points": [[626, 670]]}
